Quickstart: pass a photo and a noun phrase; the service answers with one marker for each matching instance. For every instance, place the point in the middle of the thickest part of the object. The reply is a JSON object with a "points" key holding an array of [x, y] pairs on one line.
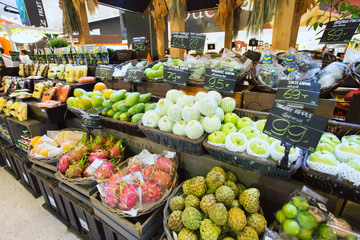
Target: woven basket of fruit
{"points": [[335, 165], [90, 160], [154, 71], [229, 208], [141, 184]]}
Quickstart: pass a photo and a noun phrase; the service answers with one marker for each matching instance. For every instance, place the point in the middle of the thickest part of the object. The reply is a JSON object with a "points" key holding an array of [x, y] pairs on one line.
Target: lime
{"points": [[306, 220], [280, 216], [291, 227], [305, 234], [301, 203], [289, 210]]}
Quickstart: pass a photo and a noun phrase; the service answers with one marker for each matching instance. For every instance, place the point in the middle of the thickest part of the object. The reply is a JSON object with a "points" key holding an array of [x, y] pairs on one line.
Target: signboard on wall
{"points": [[32, 13]]}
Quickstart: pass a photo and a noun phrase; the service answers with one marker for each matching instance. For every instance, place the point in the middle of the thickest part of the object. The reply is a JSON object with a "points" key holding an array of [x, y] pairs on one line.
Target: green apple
{"points": [[306, 220], [249, 132], [267, 138], [300, 203], [217, 137], [305, 234], [324, 157], [353, 138], [333, 138], [238, 140], [291, 227], [350, 147], [259, 146], [281, 149], [231, 118], [289, 210], [260, 124], [244, 122], [228, 128], [325, 146], [355, 164], [280, 216], [326, 232]]}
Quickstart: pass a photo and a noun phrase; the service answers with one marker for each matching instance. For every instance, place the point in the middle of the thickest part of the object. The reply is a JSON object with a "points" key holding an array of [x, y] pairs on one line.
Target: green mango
{"points": [[157, 66], [105, 111], [137, 117], [115, 105], [144, 98], [118, 95], [127, 94], [138, 108], [107, 104], [150, 73], [117, 115], [147, 70], [122, 108], [158, 73], [151, 106], [125, 117], [111, 113], [132, 99]]}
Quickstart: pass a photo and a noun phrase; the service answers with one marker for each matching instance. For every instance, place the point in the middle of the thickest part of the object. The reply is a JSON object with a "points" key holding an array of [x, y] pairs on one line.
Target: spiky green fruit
{"points": [[179, 128], [195, 186], [150, 119], [218, 214], [220, 170], [177, 203], [190, 112], [248, 233], [191, 218], [233, 187], [209, 230], [194, 129], [228, 104], [231, 177], [249, 199], [211, 124], [174, 113]]}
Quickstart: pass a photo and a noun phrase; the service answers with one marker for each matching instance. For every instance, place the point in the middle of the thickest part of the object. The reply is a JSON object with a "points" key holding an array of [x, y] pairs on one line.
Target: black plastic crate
{"points": [[10, 164]]}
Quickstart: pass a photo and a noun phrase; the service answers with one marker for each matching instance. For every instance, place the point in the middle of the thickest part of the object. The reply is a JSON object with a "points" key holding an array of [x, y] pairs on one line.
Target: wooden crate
{"points": [[351, 213]]}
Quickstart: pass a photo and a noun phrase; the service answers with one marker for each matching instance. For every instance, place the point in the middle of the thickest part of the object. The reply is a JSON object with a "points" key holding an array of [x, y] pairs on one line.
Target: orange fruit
{"points": [[100, 87], [34, 140]]}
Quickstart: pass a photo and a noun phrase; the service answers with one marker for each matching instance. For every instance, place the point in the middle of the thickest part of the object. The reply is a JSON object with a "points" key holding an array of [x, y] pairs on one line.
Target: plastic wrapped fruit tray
{"points": [[174, 141], [329, 183]]}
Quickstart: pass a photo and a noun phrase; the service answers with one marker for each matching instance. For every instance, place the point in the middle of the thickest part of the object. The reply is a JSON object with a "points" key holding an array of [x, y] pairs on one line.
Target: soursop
{"points": [[234, 204], [179, 128], [257, 222], [189, 113], [162, 106], [214, 180], [209, 230], [224, 194], [174, 113], [236, 220], [216, 95], [248, 233], [220, 114], [218, 214], [228, 104], [187, 234], [165, 124], [151, 119], [194, 129], [211, 124], [192, 201], [231, 177], [175, 222], [199, 96], [177, 203], [249, 199], [241, 188], [206, 202], [208, 106], [185, 100], [174, 94], [191, 218]]}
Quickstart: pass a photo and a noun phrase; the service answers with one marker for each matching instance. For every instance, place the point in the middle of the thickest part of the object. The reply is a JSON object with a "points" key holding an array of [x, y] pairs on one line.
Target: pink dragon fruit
{"points": [[128, 197], [76, 169], [78, 152], [111, 195], [104, 171], [150, 192], [116, 150], [165, 164], [136, 167], [100, 154], [116, 177], [148, 173], [64, 163], [110, 141], [162, 179]]}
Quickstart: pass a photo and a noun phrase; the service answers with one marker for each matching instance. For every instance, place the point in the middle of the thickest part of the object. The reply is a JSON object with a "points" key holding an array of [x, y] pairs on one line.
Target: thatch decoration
{"points": [[71, 21], [158, 14], [263, 12], [177, 9], [92, 5]]}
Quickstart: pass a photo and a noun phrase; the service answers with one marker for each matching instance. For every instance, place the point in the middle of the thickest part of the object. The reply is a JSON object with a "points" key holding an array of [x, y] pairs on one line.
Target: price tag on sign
{"points": [[134, 75], [197, 41], [220, 80], [138, 43], [91, 121], [295, 126], [176, 74], [298, 92], [104, 72], [180, 40], [340, 31]]}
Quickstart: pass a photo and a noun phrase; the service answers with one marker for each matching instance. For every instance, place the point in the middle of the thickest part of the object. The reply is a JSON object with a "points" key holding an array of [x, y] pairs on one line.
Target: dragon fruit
{"points": [[76, 169], [128, 197], [148, 173], [110, 142], [165, 164], [64, 163], [100, 154], [78, 152], [111, 194], [116, 177], [135, 167], [104, 171], [150, 192], [162, 179], [116, 149]]}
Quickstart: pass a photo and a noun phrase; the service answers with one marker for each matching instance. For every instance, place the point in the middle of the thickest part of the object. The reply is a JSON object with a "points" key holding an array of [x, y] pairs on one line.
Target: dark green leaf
{"points": [[321, 25], [336, 6], [316, 25], [309, 20], [342, 7]]}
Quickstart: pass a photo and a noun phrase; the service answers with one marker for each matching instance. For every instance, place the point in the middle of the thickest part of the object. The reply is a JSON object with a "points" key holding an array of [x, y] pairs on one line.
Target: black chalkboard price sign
{"points": [[298, 93], [176, 74], [91, 121], [104, 72], [220, 80], [295, 126], [197, 41], [134, 75], [340, 31], [180, 40], [138, 43]]}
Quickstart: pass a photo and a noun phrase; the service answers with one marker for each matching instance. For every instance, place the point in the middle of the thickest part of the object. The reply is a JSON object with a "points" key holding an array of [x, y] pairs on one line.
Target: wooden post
{"points": [[286, 24], [229, 30], [85, 36], [160, 43], [177, 25]]}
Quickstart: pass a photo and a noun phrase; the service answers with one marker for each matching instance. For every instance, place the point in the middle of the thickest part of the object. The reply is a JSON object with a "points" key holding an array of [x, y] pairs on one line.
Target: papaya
{"points": [[118, 95], [137, 117]]}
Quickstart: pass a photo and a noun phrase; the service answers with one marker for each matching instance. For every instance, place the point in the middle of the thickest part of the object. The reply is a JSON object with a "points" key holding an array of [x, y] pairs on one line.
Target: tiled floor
{"points": [[22, 217]]}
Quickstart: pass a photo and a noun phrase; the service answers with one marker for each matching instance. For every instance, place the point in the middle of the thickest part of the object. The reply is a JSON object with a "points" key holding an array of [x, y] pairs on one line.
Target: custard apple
{"points": [[190, 112], [165, 124], [236, 220], [195, 186], [211, 124], [174, 94], [174, 113], [187, 234], [214, 180], [248, 233], [231, 177], [234, 204], [218, 214], [177, 203], [194, 129], [175, 222], [241, 188], [233, 187], [199, 96], [224, 194], [191, 218], [192, 201], [206, 202], [208, 106], [257, 222], [209, 230], [185, 100], [162, 106], [228, 104], [249, 199], [220, 114], [179, 128], [220, 170], [216, 95], [151, 119]]}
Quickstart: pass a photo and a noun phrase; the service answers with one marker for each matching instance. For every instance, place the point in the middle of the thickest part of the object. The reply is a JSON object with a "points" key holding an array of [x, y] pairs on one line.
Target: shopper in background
{"points": [[24, 57]]}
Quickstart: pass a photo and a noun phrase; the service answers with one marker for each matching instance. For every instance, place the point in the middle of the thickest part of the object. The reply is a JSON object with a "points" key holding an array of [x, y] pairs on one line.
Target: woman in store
{"points": [[24, 57]]}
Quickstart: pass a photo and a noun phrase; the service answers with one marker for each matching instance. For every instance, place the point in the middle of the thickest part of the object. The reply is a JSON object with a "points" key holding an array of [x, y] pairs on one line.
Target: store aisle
{"points": [[22, 217]]}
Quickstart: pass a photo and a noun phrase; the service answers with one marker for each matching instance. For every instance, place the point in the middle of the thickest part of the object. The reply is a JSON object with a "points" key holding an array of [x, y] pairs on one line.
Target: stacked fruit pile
{"points": [[336, 157], [142, 183], [92, 158], [157, 71], [189, 116], [216, 207]]}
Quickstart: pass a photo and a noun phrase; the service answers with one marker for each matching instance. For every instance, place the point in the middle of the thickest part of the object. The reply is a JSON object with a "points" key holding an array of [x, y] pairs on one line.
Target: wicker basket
{"points": [[180, 143], [122, 126], [160, 79], [354, 73], [133, 62], [149, 208]]}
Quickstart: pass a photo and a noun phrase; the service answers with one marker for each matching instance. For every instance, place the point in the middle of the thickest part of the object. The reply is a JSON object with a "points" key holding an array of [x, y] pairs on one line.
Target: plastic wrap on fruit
{"points": [[340, 228], [268, 57], [268, 74], [332, 73], [197, 65], [271, 235], [288, 58], [306, 63]]}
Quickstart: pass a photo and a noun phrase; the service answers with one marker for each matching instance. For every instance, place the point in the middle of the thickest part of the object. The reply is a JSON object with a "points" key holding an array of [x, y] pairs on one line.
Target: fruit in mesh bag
{"points": [[194, 129], [162, 106], [248, 233], [111, 194], [179, 128], [216, 96], [165, 164], [236, 220], [257, 222], [128, 197], [59, 139], [207, 106], [35, 140], [162, 179], [174, 94], [191, 218], [190, 112], [208, 230], [64, 163], [66, 146], [150, 192], [135, 167], [175, 223], [73, 136], [174, 113], [45, 139], [218, 214], [165, 124], [104, 171], [37, 149], [45, 151], [228, 104], [211, 124], [249, 199], [185, 100], [195, 186]]}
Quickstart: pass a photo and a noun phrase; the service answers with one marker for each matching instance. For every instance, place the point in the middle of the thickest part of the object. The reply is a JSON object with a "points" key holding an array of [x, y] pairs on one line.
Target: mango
{"points": [[132, 99], [144, 98], [158, 73], [78, 92], [137, 117], [115, 105], [111, 113], [125, 117], [97, 101], [150, 73], [107, 104], [151, 106], [85, 103], [117, 115], [138, 108], [105, 111], [157, 66], [118, 95]]}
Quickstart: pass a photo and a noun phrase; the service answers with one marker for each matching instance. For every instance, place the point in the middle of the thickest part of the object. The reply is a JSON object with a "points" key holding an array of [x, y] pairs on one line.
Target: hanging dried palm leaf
{"points": [[263, 12], [177, 9], [225, 9], [158, 14], [92, 5], [305, 5], [237, 23], [71, 21]]}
